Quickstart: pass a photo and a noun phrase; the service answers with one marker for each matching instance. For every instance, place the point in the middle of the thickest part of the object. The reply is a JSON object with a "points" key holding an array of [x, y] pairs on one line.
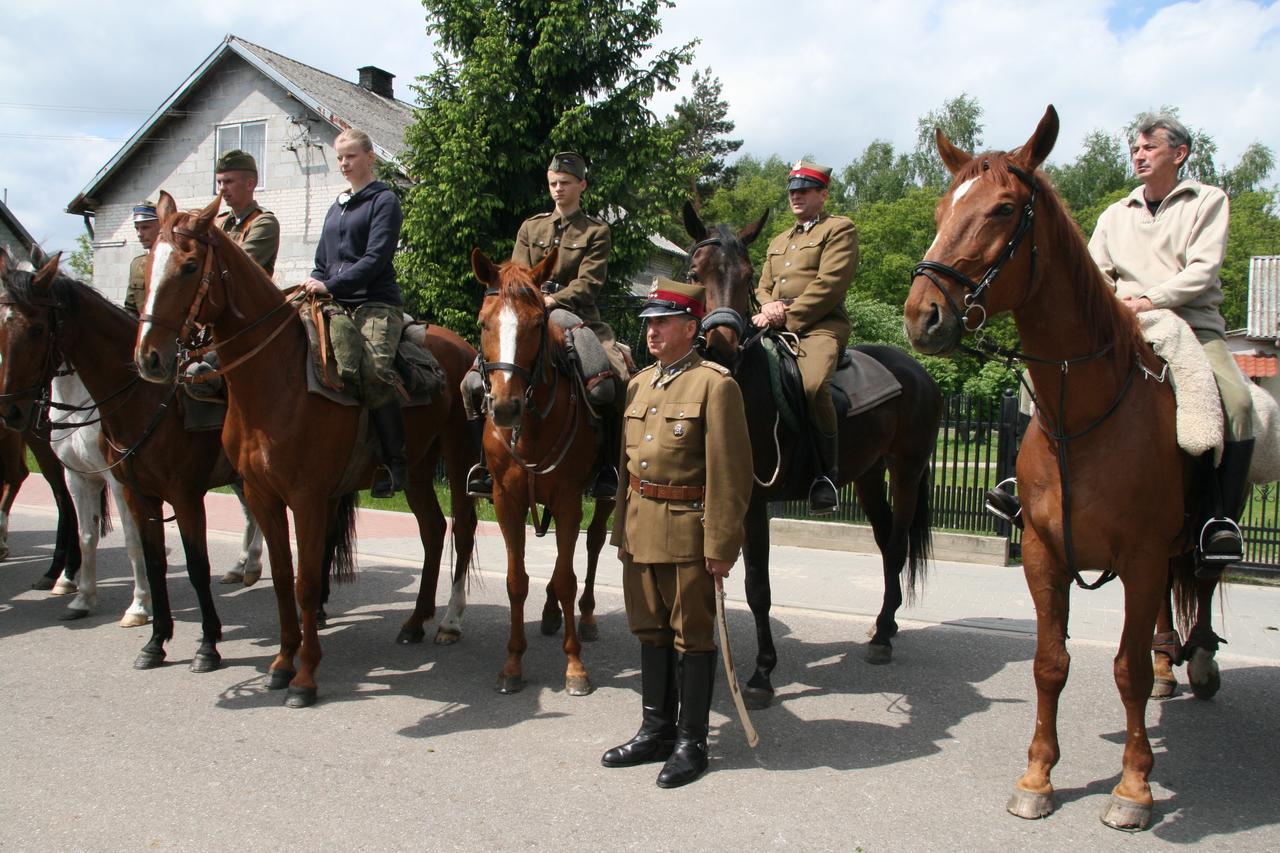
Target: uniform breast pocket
{"points": [[807, 256], [634, 426], [682, 427]]}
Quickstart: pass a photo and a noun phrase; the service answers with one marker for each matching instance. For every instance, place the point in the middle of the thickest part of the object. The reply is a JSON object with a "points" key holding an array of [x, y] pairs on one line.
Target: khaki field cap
{"points": [[236, 160], [805, 174], [567, 161], [675, 297], [144, 211]]}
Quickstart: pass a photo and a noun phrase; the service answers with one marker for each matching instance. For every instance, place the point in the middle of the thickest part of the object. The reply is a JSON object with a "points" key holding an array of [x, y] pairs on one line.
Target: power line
{"points": [[70, 109], [70, 138]]}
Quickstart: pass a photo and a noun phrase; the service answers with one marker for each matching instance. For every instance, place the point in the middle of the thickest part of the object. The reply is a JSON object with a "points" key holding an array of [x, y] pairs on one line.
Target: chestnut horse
{"points": [[540, 446], [13, 471], [1102, 480], [291, 446], [898, 436]]}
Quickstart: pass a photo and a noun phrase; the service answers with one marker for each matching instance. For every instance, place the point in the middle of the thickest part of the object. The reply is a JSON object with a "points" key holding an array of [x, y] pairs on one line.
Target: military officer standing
{"points": [[807, 272], [582, 266], [255, 229], [147, 226], [678, 527]]}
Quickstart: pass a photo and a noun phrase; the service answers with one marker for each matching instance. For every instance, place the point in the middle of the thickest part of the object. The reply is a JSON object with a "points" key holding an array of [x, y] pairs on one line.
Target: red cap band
{"points": [[696, 307], [811, 173]]}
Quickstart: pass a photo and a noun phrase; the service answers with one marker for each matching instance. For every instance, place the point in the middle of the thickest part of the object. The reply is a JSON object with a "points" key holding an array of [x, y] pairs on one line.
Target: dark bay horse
{"points": [[293, 447], [541, 447], [1102, 480], [897, 436]]}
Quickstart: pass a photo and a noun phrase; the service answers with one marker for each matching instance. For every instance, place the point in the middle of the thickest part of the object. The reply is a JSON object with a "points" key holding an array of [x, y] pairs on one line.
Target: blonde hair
{"points": [[355, 134]]}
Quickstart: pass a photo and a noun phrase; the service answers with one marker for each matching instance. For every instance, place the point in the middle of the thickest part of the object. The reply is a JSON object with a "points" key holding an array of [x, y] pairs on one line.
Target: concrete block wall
{"points": [[298, 185], [13, 245]]}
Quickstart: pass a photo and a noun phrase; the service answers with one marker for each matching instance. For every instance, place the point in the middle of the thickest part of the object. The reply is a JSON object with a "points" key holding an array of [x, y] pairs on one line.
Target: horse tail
{"points": [[920, 537], [104, 506], [1185, 590], [339, 542]]}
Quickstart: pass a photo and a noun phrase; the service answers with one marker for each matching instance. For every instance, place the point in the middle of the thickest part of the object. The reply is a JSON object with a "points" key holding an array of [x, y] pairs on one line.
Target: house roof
{"points": [[1264, 297], [1256, 365], [11, 222], [340, 102]]}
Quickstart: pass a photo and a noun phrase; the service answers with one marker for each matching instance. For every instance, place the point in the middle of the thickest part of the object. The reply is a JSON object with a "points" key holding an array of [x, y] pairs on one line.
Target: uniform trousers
{"points": [[380, 326], [1233, 385], [671, 603], [819, 354]]}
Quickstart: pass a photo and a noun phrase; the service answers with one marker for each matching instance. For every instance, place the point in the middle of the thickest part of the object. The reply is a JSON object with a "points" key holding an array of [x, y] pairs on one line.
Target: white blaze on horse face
{"points": [[961, 190], [508, 327], [159, 260]]}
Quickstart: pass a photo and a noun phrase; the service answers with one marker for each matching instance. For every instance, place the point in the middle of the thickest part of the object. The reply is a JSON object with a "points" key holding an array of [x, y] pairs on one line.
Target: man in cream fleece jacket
{"points": [[1162, 247]]}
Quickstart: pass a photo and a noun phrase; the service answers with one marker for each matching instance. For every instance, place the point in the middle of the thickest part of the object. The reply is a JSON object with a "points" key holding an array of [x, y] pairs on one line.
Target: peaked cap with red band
{"points": [[675, 297], [805, 174]]}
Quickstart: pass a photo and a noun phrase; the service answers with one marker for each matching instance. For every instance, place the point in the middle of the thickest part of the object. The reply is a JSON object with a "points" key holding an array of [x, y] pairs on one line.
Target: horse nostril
{"points": [[935, 318]]}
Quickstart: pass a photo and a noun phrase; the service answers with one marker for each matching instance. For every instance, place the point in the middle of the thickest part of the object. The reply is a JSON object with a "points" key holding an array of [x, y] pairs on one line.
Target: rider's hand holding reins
{"points": [[772, 314], [312, 285]]}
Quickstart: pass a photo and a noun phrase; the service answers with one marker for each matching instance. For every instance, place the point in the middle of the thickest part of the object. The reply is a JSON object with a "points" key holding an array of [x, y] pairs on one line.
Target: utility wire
{"points": [[70, 109]]}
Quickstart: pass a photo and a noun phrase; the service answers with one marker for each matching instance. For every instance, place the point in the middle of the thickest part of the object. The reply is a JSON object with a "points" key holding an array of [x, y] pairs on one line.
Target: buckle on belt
{"points": [[550, 287]]}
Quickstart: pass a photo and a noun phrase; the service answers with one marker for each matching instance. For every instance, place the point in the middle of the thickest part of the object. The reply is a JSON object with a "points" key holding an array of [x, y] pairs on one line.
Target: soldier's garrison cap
{"points": [[805, 174], [567, 161], [144, 211], [675, 297], [236, 160]]}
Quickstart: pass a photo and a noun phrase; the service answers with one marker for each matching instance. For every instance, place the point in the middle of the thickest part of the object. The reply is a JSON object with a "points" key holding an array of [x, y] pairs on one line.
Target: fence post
{"points": [[1007, 451]]}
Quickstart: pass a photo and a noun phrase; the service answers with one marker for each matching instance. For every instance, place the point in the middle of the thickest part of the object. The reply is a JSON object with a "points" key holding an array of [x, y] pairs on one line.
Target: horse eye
{"points": [[36, 331], [1005, 209], [693, 276], [189, 268]]}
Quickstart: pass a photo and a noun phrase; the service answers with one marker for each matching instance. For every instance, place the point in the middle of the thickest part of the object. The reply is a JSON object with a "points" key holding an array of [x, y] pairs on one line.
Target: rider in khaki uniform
{"points": [[147, 224], [255, 229], [807, 272], [686, 460]]}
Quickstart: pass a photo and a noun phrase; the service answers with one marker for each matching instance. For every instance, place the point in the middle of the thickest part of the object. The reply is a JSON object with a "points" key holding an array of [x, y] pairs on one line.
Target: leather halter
{"points": [[725, 316], [53, 354]]}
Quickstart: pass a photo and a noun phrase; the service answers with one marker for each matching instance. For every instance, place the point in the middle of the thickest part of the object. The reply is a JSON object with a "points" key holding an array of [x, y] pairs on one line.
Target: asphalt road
{"points": [[410, 749]]}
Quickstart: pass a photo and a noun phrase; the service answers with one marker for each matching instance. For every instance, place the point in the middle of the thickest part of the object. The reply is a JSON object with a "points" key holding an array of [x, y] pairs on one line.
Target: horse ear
{"points": [[751, 232], [205, 219], [1041, 142], [693, 224], [542, 272], [44, 278], [952, 157], [166, 206], [485, 272], [6, 263]]}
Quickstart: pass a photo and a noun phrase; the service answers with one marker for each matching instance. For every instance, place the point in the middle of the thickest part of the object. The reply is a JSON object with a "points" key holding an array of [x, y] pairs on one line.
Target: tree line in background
{"points": [[517, 80]]}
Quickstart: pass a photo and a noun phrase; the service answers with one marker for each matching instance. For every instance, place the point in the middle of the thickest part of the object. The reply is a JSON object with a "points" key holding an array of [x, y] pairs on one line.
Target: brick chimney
{"points": [[377, 81]]}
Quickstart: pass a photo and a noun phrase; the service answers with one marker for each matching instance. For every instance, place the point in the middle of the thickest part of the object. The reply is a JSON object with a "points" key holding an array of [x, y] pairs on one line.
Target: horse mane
{"points": [[230, 252], [515, 284], [1104, 318], [68, 291]]}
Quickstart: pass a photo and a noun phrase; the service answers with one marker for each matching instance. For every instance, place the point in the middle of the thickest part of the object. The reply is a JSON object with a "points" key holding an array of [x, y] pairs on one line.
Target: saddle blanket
{"points": [[865, 382], [420, 373]]}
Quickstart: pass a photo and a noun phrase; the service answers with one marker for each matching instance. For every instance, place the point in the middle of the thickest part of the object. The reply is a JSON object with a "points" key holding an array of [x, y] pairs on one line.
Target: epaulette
{"points": [[593, 220], [646, 367], [720, 367], [540, 216]]}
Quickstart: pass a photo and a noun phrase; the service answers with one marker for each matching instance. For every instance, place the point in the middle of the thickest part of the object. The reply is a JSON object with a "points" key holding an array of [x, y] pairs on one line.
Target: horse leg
{"points": [[86, 493], [189, 510], [1202, 644], [552, 618], [151, 536], [69, 581], [270, 513], [140, 610], [511, 512], [1130, 805], [15, 471], [885, 527], [66, 550], [568, 521], [1050, 587], [1166, 646], [248, 568], [431, 531], [310, 526], [463, 507], [597, 532], [755, 557]]}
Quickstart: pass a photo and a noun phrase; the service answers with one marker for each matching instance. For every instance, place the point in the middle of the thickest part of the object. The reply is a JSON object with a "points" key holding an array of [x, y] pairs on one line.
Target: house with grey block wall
{"points": [[15, 239]]}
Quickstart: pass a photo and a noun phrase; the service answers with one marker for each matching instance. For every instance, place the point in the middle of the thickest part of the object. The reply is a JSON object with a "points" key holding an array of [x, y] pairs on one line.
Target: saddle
{"points": [[586, 353], [860, 383]]}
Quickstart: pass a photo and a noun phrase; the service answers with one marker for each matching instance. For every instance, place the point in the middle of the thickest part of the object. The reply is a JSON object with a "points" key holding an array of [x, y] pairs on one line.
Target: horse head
{"points": [[515, 333], [719, 262], [28, 345], [974, 270], [181, 292]]}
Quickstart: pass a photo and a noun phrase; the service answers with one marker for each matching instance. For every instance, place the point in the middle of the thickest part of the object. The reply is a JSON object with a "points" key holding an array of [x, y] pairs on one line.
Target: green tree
{"points": [[700, 124], [958, 118], [892, 237], [1255, 230], [879, 175], [755, 187], [1256, 163], [81, 260], [1098, 172], [516, 81]]}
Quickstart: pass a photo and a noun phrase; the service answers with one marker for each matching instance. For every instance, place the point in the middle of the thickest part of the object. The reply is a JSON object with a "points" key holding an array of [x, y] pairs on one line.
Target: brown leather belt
{"points": [[666, 493]]}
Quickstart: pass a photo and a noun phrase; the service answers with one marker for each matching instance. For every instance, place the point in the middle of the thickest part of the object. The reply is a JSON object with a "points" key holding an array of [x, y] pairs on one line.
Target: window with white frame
{"points": [[250, 137]]}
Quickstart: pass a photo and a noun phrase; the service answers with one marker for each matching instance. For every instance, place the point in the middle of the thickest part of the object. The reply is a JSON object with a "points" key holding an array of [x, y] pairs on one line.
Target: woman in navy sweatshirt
{"points": [[354, 263]]}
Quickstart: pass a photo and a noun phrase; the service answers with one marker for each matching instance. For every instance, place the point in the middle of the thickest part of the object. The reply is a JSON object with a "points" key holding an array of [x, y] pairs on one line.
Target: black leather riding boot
{"points": [[697, 680], [823, 497], [388, 426], [1220, 539], [608, 449], [479, 480], [1000, 501], [660, 695]]}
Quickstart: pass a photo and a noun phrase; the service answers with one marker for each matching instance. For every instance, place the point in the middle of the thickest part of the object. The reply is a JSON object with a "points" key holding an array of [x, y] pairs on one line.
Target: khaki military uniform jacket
{"points": [[815, 268], [258, 235], [135, 298], [691, 430], [583, 263]]}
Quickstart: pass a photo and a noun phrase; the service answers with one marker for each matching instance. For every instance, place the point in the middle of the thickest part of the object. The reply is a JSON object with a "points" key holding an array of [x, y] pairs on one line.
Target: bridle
{"points": [[724, 315]]}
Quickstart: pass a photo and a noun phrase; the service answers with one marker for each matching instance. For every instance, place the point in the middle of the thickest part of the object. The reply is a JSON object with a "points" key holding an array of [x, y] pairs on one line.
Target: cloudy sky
{"points": [[825, 77]]}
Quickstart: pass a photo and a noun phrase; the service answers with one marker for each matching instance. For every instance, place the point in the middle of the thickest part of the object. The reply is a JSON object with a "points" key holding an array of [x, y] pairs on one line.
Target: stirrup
{"points": [[1004, 504], [823, 504], [1221, 544], [478, 475]]}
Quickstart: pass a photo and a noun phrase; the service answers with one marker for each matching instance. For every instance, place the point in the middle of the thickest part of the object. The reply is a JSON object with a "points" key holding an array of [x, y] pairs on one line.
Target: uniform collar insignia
{"points": [[663, 375]]}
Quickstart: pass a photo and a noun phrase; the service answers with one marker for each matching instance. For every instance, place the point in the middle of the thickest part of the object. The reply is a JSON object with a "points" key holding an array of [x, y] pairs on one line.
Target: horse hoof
{"points": [[300, 697], [879, 654], [4, 552], [757, 698], [44, 584], [63, 587], [508, 684], [232, 576], [1164, 688], [410, 636], [278, 679], [1203, 674], [1126, 815], [1030, 805], [447, 637], [551, 624], [133, 620], [322, 620], [206, 663], [578, 685], [148, 660], [72, 614], [588, 632], [250, 578]]}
